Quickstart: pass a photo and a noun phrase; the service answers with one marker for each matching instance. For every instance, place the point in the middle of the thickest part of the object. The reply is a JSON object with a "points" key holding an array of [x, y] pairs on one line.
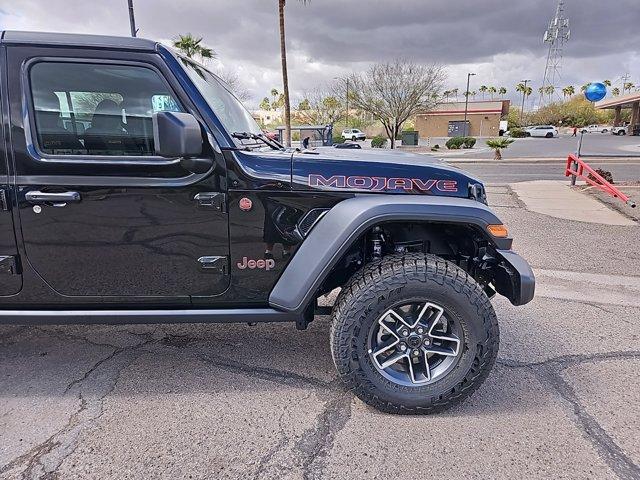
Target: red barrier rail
{"points": [[595, 180]]}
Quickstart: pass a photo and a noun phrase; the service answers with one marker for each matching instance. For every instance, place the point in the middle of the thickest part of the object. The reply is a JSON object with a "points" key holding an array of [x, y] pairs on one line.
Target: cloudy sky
{"points": [[499, 40]]}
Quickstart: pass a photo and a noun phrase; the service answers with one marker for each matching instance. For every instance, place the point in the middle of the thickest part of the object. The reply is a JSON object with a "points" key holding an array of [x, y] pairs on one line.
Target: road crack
{"points": [[98, 382], [550, 372], [316, 444]]}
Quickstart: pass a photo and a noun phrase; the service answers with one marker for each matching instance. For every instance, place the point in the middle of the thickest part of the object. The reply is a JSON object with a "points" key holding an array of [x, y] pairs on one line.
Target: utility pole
{"points": [[347, 102], [466, 104], [132, 19], [524, 93]]}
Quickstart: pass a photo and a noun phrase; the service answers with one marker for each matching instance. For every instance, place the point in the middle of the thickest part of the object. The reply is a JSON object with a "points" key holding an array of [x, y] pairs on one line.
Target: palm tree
{"points": [[285, 74], [615, 91], [498, 144], [627, 86], [192, 47], [492, 91], [483, 89], [584, 87], [549, 90], [454, 92], [502, 91], [568, 91], [607, 82], [526, 91]]}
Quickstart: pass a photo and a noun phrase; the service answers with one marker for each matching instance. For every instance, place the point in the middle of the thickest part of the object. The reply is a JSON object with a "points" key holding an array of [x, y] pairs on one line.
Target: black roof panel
{"points": [[76, 40]]}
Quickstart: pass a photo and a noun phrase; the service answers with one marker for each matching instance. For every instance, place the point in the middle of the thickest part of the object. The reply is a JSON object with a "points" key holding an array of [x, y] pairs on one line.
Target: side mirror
{"points": [[176, 134]]}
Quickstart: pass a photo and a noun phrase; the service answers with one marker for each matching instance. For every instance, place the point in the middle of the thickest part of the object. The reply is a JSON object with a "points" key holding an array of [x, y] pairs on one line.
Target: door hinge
{"points": [[215, 200], [4, 203], [215, 264], [9, 265]]}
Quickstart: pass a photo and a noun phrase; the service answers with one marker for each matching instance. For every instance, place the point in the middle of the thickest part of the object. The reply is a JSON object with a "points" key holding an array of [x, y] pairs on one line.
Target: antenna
{"points": [[556, 35]]}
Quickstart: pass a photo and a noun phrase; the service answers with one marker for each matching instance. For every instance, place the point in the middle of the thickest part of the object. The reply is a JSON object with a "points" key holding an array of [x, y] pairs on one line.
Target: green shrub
{"points": [[469, 142], [454, 143], [517, 133], [338, 139], [378, 142]]}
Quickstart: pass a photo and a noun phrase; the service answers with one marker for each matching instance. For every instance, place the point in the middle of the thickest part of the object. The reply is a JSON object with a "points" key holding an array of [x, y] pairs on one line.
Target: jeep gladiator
{"points": [[135, 187]]}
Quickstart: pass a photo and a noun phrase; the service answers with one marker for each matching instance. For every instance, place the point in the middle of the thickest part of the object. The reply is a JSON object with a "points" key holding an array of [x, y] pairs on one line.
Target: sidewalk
{"points": [[558, 199]]}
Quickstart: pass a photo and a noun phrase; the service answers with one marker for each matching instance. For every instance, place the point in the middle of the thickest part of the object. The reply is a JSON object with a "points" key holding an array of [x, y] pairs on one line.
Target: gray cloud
{"points": [[498, 39]]}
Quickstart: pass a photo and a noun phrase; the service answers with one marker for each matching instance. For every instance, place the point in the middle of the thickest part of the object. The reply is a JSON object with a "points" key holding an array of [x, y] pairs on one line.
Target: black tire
{"points": [[381, 286], [354, 138], [527, 134], [605, 130], [622, 132], [549, 135]]}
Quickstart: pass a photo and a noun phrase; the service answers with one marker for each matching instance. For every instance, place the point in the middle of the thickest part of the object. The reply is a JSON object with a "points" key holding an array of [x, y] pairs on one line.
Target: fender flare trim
{"points": [[344, 223]]}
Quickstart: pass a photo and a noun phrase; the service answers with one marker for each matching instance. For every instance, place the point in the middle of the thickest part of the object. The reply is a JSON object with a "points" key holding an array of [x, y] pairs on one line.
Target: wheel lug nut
{"points": [[416, 353], [405, 333], [421, 330], [403, 347], [426, 341]]}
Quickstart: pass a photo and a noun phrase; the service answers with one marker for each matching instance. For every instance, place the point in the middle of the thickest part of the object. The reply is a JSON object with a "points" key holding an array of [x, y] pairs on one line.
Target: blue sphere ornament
{"points": [[595, 92]]}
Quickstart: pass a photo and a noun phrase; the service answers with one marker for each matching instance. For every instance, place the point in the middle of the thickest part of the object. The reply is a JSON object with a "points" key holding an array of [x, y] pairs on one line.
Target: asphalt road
{"points": [[233, 401], [623, 170]]}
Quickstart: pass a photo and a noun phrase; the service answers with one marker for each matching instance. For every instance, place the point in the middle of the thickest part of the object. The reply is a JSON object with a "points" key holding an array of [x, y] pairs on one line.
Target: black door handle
{"points": [[63, 197]]}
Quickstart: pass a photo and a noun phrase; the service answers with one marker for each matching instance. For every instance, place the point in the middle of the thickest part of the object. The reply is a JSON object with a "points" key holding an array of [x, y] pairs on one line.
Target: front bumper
{"points": [[513, 278]]}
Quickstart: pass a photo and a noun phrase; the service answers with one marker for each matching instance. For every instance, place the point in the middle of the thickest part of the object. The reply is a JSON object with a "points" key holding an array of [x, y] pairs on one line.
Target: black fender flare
{"points": [[332, 236]]}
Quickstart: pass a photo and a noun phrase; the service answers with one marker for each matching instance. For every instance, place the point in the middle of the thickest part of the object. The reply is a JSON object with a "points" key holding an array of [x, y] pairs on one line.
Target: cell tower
{"points": [[556, 36]]}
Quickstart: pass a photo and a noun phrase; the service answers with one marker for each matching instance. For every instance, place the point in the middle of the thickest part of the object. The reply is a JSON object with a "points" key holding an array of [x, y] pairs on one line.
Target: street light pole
{"points": [[524, 92], [132, 19], [466, 104]]}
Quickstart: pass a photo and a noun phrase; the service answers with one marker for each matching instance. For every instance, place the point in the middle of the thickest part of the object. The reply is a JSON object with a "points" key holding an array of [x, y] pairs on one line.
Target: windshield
{"points": [[224, 104]]}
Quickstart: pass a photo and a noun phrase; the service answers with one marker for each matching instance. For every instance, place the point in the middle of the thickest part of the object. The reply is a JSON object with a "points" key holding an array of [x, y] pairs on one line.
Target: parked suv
{"points": [[170, 205], [353, 134], [547, 131]]}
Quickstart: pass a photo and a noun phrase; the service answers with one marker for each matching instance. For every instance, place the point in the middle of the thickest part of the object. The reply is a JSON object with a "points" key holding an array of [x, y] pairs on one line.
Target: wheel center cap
{"points": [[414, 341]]}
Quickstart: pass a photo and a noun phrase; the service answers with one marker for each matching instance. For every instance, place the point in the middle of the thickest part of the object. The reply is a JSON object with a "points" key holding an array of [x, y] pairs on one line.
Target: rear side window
{"points": [[97, 109]]}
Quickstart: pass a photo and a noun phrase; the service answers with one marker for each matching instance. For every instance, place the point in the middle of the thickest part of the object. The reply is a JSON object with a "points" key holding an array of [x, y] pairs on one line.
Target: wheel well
{"points": [[465, 245]]}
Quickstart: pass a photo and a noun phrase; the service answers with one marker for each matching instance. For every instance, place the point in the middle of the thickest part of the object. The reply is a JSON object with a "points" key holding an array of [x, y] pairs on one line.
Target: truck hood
{"points": [[377, 171]]}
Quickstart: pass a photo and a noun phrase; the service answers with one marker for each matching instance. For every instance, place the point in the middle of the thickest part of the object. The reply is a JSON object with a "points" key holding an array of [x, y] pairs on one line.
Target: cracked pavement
{"points": [[234, 401]]}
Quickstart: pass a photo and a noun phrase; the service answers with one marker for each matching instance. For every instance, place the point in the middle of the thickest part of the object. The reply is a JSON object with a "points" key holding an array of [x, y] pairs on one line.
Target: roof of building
{"points": [[473, 108], [620, 101], [73, 39]]}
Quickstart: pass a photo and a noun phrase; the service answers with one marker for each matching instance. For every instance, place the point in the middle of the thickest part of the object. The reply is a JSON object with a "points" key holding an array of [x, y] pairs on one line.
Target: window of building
{"points": [[97, 109]]}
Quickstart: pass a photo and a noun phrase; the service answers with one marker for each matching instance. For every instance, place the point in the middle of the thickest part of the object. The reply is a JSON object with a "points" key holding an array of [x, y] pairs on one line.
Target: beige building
{"points": [[447, 119]]}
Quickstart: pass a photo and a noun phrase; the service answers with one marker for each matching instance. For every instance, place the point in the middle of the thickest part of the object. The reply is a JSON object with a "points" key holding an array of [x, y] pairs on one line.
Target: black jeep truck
{"points": [[137, 188]]}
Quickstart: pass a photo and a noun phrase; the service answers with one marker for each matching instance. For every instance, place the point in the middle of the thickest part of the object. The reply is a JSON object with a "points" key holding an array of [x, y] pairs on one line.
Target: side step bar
{"points": [[65, 317]]}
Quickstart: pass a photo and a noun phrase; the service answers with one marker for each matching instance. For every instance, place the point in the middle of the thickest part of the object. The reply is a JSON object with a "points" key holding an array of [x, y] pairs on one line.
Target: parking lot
{"points": [[234, 401], [559, 147]]}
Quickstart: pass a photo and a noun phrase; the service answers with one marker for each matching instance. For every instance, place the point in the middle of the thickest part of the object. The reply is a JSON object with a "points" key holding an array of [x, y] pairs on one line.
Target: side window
{"points": [[97, 109]]}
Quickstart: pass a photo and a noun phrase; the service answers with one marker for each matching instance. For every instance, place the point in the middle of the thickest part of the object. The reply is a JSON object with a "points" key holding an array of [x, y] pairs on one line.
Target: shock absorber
{"points": [[377, 241]]}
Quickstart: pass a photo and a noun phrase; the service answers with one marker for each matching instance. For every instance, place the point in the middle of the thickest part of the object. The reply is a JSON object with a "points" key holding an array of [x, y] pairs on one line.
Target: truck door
{"points": [[10, 278], [101, 215]]}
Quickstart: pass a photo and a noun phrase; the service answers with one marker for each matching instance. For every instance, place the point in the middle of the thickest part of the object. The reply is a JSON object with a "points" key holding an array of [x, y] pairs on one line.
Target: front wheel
{"points": [[549, 135], [413, 334], [622, 132]]}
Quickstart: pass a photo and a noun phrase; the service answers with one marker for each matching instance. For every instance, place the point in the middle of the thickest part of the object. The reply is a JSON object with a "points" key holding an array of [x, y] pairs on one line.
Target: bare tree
{"points": [[320, 108], [394, 92], [235, 84]]}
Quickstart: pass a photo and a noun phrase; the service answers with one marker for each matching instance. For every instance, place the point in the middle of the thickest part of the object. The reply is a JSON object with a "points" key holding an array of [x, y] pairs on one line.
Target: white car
{"points": [[596, 129], [353, 134], [546, 131], [620, 130]]}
